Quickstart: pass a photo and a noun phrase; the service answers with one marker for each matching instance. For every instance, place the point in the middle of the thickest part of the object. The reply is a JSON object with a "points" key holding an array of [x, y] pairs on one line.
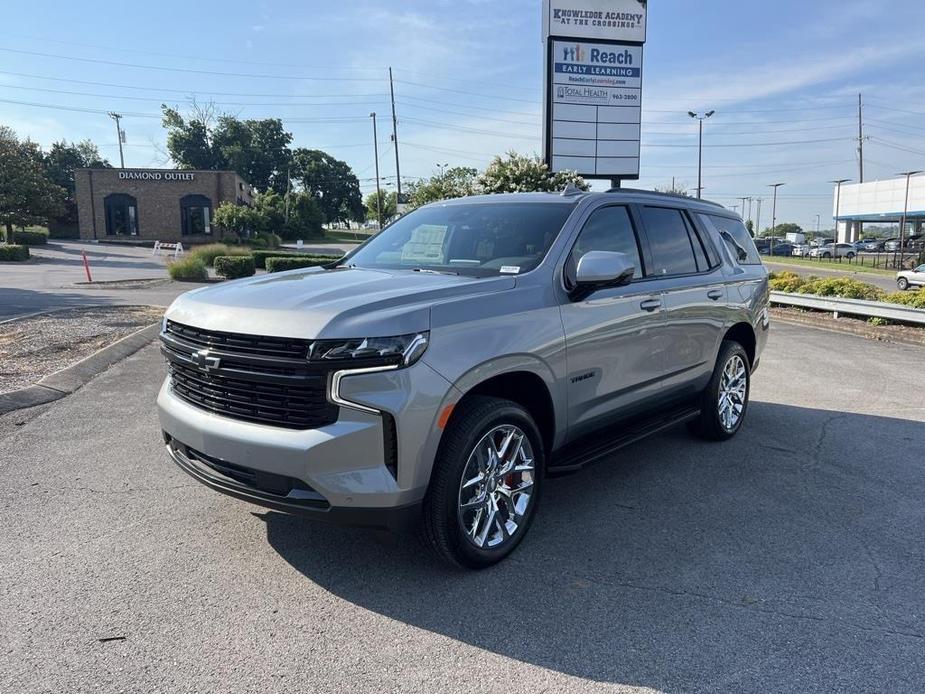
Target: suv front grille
{"points": [[266, 380]]}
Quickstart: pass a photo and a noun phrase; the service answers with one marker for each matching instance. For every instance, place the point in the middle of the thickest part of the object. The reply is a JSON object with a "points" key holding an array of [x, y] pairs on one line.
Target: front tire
{"points": [[902, 283], [486, 483], [725, 401]]}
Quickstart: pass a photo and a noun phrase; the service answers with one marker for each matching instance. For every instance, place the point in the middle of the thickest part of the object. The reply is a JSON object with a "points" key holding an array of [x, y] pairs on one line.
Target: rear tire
{"points": [[724, 402], [902, 283], [483, 493]]}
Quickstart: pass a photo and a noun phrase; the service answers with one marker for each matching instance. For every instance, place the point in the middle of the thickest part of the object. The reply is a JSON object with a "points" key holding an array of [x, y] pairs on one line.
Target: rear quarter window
{"points": [[735, 236]]}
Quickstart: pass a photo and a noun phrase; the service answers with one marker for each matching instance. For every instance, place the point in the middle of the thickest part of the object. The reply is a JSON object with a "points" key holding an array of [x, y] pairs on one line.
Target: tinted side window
{"points": [[607, 229], [670, 242], [736, 238]]}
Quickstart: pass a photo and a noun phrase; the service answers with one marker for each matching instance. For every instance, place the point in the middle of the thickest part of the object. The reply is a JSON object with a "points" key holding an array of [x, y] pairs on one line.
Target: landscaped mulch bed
{"points": [[34, 347], [856, 325]]}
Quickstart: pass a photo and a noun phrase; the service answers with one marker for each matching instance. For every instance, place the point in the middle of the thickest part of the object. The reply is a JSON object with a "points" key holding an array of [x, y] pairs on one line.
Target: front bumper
{"points": [[370, 467], [303, 502]]}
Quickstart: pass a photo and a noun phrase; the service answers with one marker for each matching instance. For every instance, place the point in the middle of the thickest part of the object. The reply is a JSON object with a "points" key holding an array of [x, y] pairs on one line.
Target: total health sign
{"points": [[593, 86]]}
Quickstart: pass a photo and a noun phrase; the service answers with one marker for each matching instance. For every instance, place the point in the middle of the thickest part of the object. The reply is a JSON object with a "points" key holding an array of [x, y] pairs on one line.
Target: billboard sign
{"points": [[593, 86], [608, 20]]}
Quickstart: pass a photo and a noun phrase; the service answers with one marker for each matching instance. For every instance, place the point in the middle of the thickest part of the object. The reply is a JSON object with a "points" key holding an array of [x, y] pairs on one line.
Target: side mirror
{"points": [[597, 269]]}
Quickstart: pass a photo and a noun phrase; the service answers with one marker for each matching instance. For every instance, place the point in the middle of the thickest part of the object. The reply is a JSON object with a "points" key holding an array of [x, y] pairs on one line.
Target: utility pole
{"points": [[860, 141], [838, 183], [288, 186], [119, 136], [743, 198], [376, 157], [700, 149], [902, 225], [395, 139], [817, 224], [758, 219], [775, 186]]}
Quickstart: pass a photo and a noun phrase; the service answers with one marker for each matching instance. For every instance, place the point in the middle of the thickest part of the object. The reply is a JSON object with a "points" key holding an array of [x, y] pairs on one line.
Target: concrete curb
{"points": [[55, 386]]}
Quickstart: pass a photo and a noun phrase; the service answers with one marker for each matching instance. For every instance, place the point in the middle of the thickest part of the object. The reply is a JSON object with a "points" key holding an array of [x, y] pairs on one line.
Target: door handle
{"points": [[715, 294], [650, 305]]}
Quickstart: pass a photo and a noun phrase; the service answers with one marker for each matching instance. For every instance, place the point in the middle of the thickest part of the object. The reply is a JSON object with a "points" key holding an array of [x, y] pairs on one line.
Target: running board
{"points": [[575, 456]]}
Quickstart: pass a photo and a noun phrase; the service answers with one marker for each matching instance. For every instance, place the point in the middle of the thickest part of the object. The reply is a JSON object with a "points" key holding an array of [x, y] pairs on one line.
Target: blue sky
{"points": [[468, 83]]}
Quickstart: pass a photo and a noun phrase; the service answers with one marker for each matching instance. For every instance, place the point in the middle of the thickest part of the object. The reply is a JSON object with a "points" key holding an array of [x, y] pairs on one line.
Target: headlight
{"points": [[403, 350]]}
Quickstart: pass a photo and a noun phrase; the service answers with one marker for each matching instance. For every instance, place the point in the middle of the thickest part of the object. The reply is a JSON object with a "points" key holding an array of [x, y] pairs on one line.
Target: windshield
{"points": [[479, 239]]}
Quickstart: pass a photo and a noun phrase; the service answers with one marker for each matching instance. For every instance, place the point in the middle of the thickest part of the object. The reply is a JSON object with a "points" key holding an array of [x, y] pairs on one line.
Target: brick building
{"points": [[154, 204]]}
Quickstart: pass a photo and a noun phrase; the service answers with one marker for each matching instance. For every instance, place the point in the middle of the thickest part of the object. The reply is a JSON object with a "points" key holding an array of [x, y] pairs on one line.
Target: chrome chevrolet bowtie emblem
{"points": [[204, 360]]}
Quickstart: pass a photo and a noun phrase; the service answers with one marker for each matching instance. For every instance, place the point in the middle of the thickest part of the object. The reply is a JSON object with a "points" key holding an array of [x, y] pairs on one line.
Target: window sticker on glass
{"points": [[510, 269], [425, 245]]}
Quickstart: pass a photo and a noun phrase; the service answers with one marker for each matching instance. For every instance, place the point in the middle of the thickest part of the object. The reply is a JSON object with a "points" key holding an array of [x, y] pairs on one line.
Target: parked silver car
{"points": [[833, 250], [437, 373], [911, 278]]}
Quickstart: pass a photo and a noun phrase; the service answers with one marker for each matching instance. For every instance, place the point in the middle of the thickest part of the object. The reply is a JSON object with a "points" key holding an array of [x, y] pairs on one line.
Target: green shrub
{"points": [[266, 240], [843, 287], [188, 269], [260, 257], [234, 266], [30, 238], [208, 253], [787, 282], [914, 299], [281, 264], [13, 253]]}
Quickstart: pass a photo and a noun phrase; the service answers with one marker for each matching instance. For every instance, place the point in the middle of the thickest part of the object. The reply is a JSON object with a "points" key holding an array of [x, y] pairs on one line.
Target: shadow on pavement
{"points": [[20, 302], [789, 558]]}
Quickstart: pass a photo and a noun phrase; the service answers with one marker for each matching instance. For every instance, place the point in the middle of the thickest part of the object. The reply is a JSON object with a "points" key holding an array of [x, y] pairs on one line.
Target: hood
{"points": [[316, 303]]}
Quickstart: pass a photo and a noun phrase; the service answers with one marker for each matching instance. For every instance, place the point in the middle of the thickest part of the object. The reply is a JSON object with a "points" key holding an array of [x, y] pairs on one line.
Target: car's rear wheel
{"points": [[725, 401], [485, 484], [826, 255], [902, 283], [849, 256]]}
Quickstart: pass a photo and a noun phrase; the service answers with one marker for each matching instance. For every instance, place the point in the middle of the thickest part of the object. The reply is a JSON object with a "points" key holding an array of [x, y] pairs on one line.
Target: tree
{"points": [[783, 229], [240, 219], [258, 150], [26, 194], [457, 182], [517, 173], [61, 161], [673, 189], [389, 205], [331, 181]]}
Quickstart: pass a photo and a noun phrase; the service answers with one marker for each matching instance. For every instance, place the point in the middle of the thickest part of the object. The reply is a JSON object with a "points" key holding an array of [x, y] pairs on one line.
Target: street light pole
{"points": [[757, 219], [775, 186], [376, 157], [902, 226], [838, 183], [701, 119], [116, 116]]}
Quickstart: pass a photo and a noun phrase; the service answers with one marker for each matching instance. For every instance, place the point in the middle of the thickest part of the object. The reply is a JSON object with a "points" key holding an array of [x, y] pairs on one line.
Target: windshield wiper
{"points": [[434, 272]]}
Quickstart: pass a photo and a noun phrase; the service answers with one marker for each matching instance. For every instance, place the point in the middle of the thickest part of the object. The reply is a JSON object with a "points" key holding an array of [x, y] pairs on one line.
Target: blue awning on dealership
{"points": [[882, 217]]}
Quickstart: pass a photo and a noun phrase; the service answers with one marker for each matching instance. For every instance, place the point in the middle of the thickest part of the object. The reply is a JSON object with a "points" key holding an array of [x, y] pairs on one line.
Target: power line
{"points": [[194, 71]]}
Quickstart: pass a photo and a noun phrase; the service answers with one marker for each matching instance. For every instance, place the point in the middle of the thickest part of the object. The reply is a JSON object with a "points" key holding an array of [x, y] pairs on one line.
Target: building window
{"points": [[195, 215], [121, 215]]}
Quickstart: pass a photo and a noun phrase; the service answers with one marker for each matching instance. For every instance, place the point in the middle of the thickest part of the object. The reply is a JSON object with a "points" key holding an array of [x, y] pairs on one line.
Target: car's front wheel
{"points": [[485, 484], [902, 283], [725, 401]]}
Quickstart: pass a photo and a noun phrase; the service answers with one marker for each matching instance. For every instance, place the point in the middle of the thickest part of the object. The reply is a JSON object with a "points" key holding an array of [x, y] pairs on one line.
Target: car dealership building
{"points": [[878, 202], [154, 204]]}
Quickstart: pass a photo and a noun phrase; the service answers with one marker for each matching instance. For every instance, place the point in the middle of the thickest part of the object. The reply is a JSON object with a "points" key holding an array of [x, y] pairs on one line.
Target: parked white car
{"points": [[911, 278], [833, 250]]}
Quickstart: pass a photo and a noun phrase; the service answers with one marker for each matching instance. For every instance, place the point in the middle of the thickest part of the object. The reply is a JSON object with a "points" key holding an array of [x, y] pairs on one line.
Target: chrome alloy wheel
{"points": [[496, 487], [732, 392]]}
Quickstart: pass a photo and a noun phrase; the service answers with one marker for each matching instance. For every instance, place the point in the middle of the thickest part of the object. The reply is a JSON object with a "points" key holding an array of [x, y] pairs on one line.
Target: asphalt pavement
{"points": [[789, 559]]}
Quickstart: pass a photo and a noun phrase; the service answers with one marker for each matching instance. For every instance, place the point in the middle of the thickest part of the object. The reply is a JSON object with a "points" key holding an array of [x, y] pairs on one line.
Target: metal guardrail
{"points": [[856, 307]]}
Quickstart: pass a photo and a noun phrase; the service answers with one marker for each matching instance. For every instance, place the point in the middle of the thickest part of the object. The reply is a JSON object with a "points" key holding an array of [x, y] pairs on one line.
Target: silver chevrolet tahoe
{"points": [[438, 374]]}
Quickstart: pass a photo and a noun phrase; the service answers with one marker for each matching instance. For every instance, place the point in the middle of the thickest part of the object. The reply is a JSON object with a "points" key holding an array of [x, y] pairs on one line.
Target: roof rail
{"points": [[667, 195]]}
